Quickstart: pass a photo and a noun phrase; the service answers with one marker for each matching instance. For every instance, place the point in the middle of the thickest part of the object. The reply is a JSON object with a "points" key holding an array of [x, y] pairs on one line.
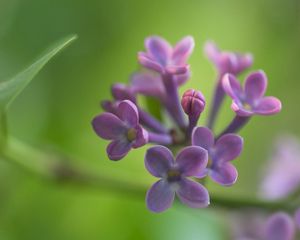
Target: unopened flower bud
{"points": [[193, 102]]}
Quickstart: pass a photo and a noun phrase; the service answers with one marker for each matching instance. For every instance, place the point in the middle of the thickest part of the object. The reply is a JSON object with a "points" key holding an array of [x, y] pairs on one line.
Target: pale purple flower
{"points": [[297, 218], [227, 62], [161, 57], [220, 153], [250, 100], [174, 174], [279, 226], [123, 129], [282, 172]]}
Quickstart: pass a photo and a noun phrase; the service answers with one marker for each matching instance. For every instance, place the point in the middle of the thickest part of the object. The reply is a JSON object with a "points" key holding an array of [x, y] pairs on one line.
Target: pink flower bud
{"points": [[193, 102]]}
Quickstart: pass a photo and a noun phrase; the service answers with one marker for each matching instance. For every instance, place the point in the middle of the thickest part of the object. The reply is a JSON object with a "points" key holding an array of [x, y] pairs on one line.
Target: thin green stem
{"points": [[60, 169]]}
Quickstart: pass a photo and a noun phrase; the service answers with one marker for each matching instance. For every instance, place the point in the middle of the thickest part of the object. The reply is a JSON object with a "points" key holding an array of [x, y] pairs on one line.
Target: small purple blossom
{"points": [[297, 218], [220, 153], [279, 226], [123, 129], [160, 56], [174, 174], [251, 100], [227, 62]]}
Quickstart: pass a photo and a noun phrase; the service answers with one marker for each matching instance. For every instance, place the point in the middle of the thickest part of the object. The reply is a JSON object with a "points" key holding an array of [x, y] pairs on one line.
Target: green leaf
{"points": [[9, 90]]}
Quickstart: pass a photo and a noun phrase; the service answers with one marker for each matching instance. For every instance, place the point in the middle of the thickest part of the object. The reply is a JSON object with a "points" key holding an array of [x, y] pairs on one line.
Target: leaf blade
{"points": [[10, 89]]}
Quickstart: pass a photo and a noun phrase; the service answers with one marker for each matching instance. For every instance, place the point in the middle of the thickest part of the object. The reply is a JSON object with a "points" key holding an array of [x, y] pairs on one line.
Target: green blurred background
{"points": [[57, 107]]}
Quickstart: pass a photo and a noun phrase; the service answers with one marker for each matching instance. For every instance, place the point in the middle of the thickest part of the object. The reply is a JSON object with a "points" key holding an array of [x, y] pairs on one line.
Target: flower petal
{"points": [[108, 126], [147, 83], [183, 50], [244, 61], [175, 70], [149, 63], [255, 86], [118, 149], [128, 112], [122, 92], [158, 160], [192, 160], [240, 110], [297, 218], [224, 174], [159, 49], [212, 51], [203, 137], [280, 226], [228, 147], [141, 137], [181, 79], [160, 196], [232, 87], [193, 194], [268, 106]]}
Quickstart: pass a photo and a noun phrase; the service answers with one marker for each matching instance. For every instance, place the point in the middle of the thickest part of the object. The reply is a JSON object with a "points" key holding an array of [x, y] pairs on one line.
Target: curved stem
{"points": [[58, 168], [236, 124], [164, 139]]}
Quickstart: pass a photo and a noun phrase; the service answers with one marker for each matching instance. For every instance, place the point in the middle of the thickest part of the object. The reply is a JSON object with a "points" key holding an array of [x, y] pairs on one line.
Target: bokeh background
{"points": [[57, 107]]}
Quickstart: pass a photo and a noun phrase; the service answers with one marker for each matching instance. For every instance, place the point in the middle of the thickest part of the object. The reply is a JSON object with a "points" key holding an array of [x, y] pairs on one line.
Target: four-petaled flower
{"points": [[220, 153], [227, 62], [189, 162], [160, 56], [123, 129], [250, 100]]}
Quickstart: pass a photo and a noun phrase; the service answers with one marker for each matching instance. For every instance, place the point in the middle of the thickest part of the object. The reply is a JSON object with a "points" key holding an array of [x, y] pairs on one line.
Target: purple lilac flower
{"points": [[282, 172], [227, 62], [279, 226], [160, 56], [250, 100], [123, 129], [297, 218], [174, 175], [220, 152]]}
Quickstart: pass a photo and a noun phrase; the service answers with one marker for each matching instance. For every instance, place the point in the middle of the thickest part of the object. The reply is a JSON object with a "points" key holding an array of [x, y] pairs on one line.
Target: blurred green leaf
{"points": [[10, 89]]}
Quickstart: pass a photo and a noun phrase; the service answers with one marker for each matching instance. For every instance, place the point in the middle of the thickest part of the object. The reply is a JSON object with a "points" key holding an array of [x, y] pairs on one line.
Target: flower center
{"points": [[131, 134], [173, 175], [209, 163], [247, 106]]}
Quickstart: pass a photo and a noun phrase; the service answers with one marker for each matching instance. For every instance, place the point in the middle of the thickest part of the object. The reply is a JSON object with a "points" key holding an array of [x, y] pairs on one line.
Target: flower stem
{"points": [[172, 101], [151, 122], [59, 168], [164, 139], [217, 102], [236, 124]]}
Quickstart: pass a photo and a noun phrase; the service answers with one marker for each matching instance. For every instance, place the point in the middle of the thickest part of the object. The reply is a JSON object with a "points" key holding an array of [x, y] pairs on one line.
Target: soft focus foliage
{"points": [[57, 107]]}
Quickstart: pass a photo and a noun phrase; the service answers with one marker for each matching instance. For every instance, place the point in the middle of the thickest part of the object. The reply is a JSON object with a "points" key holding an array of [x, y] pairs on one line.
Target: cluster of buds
{"points": [[200, 152]]}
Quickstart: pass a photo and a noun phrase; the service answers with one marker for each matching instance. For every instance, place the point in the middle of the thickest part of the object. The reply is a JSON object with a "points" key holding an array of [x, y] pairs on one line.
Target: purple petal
{"points": [[159, 49], [240, 110], [108, 126], [228, 147], [122, 92], [141, 137], [160, 196], [158, 160], [224, 174], [280, 226], [109, 106], [183, 50], [149, 63], [255, 86], [245, 61], [181, 79], [147, 83], [203, 137], [118, 149], [268, 106], [192, 194], [128, 112], [192, 160], [175, 70], [232, 86], [212, 51]]}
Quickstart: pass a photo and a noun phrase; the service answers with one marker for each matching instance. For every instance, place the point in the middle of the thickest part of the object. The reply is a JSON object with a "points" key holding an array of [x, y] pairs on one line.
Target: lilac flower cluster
{"points": [[199, 152]]}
